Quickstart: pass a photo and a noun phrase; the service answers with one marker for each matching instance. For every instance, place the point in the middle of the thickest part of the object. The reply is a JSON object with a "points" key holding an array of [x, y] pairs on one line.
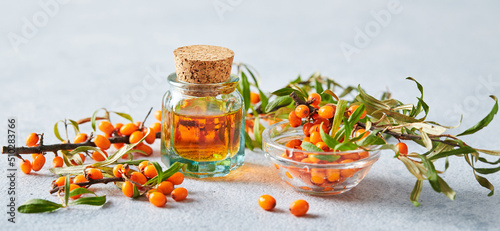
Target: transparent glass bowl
{"points": [[319, 173]]}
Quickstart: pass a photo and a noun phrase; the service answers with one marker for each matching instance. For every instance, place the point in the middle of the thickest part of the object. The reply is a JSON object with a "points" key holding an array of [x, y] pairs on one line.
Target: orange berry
{"points": [[307, 139], [97, 156], [306, 128], [79, 179], [267, 202], [402, 148], [151, 137], [363, 154], [157, 199], [117, 167], [353, 108], [150, 171], [26, 166], [254, 98], [318, 176], [361, 131], [75, 160], [32, 140], [302, 111], [299, 207], [118, 145], [57, 162], [293, 143], [118, 126], [179, 194], [60, 181], [145, 148], [158, 115], [138, 177], [128, 189], [315, 137], [71, 188], [156, 127], [322, 146], [165, 187], [294, 120], [143, 165], [38, 162], [94, 173], [128, 129], [106, 127], [102, 142], [177, 178], [316, 97], [326, 111], [332, 175], [135, 137], [80, 138]]}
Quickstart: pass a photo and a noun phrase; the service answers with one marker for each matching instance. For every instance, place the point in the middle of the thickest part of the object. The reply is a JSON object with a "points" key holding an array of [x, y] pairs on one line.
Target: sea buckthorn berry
{"points": [[363, 154], [79, 179], [302, 111], [353, 108], [145, 148], [157, 199], [143, 165], [60, 181], [26, 166], [156, 127], [315, 137], [57, 162], [138, 177], [75, 160], [318, 176], [177, 178], [118, 126], [254, 98], [165, 187], [135, 137], [117, 169], [361, 131], [306, 128], [38, 162], [326, 111], [128, 129], [322, 146], [32, 140], [118, 145], [293, 143], [151, 137], [71, 188], [94, 173], [402, 148], [150, 171], [128, 189], [351, 156], [106, 127], [158, 115], [179, 194], [80, 138], [294, 120], [315, 128], [267, 202], [332, 175], [102, 142], [97, 156], [299, 208], [306, 139], [316, 97]]}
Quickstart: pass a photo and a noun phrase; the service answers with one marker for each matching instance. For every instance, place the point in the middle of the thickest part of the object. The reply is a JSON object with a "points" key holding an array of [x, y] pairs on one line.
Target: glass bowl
{"points": [[319, 173]]}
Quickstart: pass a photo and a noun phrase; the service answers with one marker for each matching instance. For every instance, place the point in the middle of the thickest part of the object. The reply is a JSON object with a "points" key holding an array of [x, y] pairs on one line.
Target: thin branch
{"points": [[91, 182]]}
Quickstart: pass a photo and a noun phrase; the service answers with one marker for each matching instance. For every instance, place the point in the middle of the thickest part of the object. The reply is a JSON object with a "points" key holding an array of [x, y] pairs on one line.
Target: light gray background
{"points": [[92, 54]]}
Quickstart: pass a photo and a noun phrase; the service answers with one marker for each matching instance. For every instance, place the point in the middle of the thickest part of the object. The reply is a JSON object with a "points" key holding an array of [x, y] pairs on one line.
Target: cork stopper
{"points": [[202, 64]]}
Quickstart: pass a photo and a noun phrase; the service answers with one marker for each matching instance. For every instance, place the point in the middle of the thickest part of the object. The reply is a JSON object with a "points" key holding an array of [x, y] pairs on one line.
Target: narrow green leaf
{"points": [[346, 146], [94, 201], [327, 157], [432, 175], [339, 115], [56, 131], [356, 115], [245, 87], [136, 192], [38, 206], [279, 101], [125, 116], [415, 193], [426, 140], [485, 121], [487, 170], [80, 191], [318, 86], [488, 162], [131, 162], [371, 139], [257, 132], [489, 152], [454, 152], [93, 118], [421, 102], [310, 147], [485, 183], [159, 171], [75, 126], [329, 92], [445, 189], [255, 80], [66, 190], [175, 167], [329, 141], [346, 91], [297, 80], [264, 100], [348, 129], [412, 168], [248, 142]]}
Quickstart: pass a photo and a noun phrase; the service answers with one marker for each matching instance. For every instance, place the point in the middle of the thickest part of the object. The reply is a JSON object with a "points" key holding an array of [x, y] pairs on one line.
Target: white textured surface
{"points": [[94, 54]]}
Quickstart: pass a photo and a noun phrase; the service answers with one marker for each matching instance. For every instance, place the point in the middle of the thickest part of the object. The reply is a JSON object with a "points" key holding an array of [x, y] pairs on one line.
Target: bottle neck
{"points": [[203, 90]]}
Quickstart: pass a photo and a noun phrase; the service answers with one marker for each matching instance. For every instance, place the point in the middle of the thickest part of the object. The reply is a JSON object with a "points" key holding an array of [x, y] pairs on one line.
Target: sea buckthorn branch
{"points": [[90, 182]]}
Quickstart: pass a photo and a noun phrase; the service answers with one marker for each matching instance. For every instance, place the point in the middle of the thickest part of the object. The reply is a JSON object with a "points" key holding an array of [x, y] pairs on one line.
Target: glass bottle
{"points": [[203, 113]]}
